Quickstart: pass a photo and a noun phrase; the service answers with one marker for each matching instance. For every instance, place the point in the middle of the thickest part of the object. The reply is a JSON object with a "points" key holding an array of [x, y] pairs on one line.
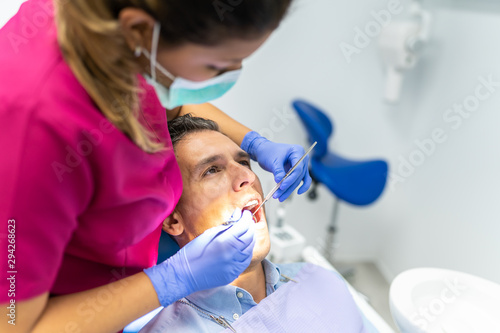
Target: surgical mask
{"points": [[183, 91]]}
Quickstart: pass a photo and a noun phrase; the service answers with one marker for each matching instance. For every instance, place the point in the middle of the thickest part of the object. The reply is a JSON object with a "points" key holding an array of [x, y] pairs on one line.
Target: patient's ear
{"points": [[173, 225]]}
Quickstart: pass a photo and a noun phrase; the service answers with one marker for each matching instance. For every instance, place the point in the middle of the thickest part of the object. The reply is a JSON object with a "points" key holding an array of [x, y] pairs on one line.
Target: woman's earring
{"points": [[137, 51]]}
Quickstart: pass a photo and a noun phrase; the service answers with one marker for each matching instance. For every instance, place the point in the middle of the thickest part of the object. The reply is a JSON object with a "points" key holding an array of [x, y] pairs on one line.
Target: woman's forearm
{"points": [[233, 129], [105, 309]]}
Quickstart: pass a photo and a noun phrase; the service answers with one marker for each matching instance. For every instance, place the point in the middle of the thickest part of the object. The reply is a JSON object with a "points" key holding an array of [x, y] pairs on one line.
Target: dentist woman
{"points": [[87, 169]]}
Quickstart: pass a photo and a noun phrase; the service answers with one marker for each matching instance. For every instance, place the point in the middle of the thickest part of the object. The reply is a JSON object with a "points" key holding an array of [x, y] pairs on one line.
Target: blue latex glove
{"points": [[278, 158], [214, 258]]}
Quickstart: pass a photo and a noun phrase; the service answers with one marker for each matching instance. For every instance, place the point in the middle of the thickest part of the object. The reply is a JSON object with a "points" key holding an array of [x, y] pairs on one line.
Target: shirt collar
{"points": [[273, 274], [223, 301]]}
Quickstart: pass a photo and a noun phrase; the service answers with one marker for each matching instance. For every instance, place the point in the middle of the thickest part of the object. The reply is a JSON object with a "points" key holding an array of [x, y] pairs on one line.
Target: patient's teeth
{"points": [[251, 203]]}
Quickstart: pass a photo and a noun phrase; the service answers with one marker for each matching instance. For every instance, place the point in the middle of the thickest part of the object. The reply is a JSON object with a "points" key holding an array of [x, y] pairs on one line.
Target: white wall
{"points": [[7, 9], [445, 214]]}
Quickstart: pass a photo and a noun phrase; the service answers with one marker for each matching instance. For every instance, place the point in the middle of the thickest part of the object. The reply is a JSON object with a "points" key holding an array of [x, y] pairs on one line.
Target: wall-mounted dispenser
{"points": [[401, 43]]}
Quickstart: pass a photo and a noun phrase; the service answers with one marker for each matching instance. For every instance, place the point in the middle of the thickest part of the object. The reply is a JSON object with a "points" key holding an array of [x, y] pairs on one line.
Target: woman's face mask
{"points": [[183, 91]]}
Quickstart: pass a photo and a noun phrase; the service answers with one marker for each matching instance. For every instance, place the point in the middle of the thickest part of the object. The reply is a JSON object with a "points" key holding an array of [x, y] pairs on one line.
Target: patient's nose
{"points": [[242, 177]]}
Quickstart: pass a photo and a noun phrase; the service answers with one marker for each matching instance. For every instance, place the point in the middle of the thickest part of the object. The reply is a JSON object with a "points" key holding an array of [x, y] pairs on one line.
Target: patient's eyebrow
{"points": [[211, 159], [207, 160], [242, 154]]}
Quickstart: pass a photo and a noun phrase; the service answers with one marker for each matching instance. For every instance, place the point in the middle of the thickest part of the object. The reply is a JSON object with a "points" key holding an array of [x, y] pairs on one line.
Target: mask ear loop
{"points": [[154, 49], [152, 61], [152, 56]]}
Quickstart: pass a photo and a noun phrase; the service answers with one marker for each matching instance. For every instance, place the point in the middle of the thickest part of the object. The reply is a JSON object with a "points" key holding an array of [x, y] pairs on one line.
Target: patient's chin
{"points": [[261, 249], [262, 224]]}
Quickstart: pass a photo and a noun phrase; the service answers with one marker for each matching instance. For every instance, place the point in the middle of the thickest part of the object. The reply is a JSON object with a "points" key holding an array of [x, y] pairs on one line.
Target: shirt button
{"points": [[235, 316], [239, 294]]}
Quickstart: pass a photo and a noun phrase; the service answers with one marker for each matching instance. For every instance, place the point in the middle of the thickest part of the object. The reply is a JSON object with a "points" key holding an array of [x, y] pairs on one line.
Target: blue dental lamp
{"points": [[359, 183]]}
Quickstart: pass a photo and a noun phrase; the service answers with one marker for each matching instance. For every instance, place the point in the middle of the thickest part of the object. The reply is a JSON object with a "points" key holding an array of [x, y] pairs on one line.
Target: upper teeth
{"points": [[252, 203]]}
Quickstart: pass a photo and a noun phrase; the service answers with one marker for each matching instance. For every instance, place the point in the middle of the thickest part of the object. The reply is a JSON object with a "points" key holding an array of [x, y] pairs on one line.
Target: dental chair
{"points": [[359, 183], [166, 248]]}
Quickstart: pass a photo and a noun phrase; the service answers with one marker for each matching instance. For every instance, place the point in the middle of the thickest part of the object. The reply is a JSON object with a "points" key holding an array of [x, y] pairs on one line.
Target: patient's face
{"points": [[217, 178]]}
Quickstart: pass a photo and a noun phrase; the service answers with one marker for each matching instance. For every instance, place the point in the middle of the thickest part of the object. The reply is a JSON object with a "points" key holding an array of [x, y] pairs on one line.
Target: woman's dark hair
{"points": [[183, 125], [209, 22]]}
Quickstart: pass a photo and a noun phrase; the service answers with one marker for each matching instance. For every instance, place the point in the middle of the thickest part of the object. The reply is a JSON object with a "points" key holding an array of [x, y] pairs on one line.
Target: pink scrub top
{"points": [[87, 204]]}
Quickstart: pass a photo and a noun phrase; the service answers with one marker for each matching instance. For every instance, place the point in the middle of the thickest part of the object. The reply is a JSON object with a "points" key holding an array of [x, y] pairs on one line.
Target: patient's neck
{"points": [[253, 280]]}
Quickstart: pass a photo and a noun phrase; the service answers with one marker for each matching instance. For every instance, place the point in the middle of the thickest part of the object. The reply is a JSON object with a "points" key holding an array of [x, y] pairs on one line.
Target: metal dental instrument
{"points": [[286, 176]]}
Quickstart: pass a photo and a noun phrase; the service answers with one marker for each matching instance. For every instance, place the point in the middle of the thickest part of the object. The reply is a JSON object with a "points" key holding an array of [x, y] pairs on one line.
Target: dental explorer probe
{"points": [[286, 176]]}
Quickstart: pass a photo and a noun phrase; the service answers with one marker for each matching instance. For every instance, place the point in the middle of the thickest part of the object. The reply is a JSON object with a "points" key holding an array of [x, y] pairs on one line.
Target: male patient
{"points": [[217, 179]]}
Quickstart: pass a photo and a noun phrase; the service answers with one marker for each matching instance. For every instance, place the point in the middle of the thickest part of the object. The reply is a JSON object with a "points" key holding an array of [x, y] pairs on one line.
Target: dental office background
{"points": [[441, 206]]}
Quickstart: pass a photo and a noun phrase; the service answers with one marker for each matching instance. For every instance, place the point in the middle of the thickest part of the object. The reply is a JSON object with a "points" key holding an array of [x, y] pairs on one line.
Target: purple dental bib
{"points": [[318, 302]]}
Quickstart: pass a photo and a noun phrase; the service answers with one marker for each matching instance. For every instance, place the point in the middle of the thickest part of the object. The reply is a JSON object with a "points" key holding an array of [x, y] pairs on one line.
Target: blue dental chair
{"points": [[358, 183]]}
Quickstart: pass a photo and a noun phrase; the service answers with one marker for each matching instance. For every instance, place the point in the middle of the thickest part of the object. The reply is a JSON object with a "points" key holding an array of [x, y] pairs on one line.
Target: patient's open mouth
{"points": [[252, 206]]}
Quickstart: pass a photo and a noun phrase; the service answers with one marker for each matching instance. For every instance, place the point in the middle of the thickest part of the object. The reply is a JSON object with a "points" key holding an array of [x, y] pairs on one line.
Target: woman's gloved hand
{"points": [[278, 158], [214, 258]]}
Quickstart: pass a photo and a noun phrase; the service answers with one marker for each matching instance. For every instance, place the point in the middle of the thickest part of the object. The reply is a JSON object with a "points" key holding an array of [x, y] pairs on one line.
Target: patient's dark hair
{"points": [[186, 124]]}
